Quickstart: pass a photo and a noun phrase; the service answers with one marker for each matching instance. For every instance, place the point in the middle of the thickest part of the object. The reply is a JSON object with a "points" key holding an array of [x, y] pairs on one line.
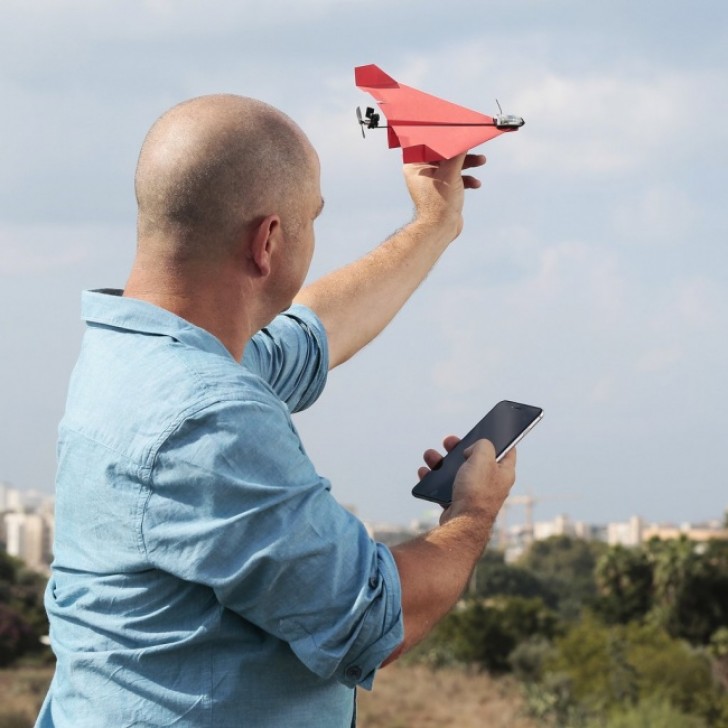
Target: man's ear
{"points": [[265, 238]]}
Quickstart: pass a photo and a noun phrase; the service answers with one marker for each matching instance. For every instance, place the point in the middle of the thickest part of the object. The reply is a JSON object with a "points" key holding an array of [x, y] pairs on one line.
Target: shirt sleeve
{"points": [[292, 356], [252, 520]]}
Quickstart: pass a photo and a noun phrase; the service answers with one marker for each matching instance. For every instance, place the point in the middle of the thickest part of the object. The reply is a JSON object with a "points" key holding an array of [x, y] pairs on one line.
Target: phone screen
{"points": [[504, 426]]}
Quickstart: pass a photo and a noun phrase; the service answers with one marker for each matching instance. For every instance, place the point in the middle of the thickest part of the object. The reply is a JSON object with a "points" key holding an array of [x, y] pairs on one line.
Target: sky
{"points": [[591, 277]]}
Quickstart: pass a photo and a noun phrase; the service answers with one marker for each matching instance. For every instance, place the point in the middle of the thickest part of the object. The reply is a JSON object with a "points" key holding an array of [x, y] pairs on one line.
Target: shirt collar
{"points": [[108, 307]]}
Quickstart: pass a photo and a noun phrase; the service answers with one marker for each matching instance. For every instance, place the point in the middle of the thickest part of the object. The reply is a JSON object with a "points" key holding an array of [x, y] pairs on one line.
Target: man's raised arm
{"points": [[357, 301]]}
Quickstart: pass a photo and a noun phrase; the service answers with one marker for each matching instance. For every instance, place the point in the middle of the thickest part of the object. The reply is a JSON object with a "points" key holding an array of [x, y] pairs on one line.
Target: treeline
{"points": [[23, 620], [600, 637]]}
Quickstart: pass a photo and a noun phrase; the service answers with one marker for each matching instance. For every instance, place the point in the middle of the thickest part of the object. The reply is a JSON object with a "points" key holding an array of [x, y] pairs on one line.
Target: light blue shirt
{"points": [[203, 573]]}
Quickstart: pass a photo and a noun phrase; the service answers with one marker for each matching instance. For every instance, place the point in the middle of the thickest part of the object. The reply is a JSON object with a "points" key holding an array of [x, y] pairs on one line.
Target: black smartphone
{"points": [[505, 425]]}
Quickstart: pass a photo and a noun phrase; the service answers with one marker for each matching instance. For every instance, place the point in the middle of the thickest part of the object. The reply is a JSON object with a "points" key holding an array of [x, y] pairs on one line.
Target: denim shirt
{"points": [[203, 574]]}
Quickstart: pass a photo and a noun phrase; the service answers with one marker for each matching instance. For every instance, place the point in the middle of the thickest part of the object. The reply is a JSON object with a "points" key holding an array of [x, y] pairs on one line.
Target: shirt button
{"points": [[353, 672]]}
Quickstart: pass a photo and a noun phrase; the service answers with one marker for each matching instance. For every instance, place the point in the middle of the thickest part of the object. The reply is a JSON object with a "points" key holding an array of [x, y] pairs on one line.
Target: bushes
{"points": [[485, 633], [650, 713], [16, 636], [601, 637], [22, 616]]}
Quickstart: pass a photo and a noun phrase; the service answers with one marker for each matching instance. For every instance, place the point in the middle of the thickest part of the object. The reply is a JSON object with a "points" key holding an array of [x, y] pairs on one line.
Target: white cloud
{"points": [[27, 257], [610, 123], [658, 213], [29, 250], [603, 391], [660, 359], [702, 303]]}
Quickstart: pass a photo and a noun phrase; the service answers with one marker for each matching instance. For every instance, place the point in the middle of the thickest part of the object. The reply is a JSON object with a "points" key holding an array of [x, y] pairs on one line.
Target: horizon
{"points": [[431, 515]]}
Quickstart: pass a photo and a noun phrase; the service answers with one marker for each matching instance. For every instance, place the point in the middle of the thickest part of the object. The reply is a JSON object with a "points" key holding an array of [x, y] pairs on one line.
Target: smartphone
{"points": [[505, 425]]}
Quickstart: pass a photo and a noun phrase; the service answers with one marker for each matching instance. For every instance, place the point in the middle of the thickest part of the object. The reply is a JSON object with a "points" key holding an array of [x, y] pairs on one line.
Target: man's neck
{"points": [[212, 300]]}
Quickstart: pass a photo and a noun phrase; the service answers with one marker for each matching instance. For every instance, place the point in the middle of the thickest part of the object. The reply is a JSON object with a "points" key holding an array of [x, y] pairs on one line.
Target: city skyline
{"points": [[27, 527], [17, 499]]}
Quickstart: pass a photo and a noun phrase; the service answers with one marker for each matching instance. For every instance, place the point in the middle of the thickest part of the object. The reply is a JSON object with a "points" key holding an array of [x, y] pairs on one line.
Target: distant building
{"points": [[559, 526], [26, 526], [28, 537], [11, 499], [630, 533], [701, 532]]}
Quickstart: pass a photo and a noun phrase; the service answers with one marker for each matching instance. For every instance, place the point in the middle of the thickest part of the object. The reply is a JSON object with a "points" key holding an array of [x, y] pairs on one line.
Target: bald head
{"points": [[211, 167]]}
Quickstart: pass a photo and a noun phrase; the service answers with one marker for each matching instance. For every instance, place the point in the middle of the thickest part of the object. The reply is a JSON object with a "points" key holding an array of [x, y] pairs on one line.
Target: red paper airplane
{"points": [[426, 127]]}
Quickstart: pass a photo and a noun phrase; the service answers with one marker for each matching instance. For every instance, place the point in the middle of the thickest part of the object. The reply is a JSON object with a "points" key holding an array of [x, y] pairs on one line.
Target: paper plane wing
{"points": [[427, 128]]}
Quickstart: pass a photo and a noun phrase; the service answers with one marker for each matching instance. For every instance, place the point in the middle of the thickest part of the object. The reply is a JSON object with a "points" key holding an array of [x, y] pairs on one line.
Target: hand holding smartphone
{"points": [[505, 425]]}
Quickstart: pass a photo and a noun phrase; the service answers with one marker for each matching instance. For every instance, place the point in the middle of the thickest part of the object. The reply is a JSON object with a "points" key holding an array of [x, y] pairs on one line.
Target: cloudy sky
{"points": [[591, 277]]}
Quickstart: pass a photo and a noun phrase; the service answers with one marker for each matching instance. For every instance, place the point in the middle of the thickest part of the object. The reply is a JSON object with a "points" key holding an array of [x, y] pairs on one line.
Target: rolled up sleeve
{"points": [[291, 354], [353, 659], [236, 505]]}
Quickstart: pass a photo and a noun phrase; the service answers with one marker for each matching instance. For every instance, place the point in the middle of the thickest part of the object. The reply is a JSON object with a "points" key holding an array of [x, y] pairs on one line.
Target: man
{"points": [[203, 574]]}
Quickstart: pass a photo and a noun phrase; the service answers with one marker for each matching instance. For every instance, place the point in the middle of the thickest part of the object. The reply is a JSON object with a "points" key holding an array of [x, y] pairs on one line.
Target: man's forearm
{"points": [[356, 302], [434, 571]]}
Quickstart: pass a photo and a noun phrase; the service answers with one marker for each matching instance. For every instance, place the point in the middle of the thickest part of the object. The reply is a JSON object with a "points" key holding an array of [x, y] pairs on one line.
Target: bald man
{"points": [[203, 573]]}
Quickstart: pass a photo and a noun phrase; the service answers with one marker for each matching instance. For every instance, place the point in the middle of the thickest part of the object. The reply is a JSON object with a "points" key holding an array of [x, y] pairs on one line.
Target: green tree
{"points": [[610, 669], [624, 584], [494, 577], [566, 565], [650, 713], [484, 633], [690, 588], [16, 636], [23, 618], [593, 657], [718, 650]]}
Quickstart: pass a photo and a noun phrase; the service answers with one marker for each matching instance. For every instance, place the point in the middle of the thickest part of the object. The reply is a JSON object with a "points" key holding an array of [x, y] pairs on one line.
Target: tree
{"points": [[566, 566], [592, 656], [484, 633], [691, 588], [16, 636], [624, 584], [718, 650], [610, 668], [494, 577], [23, 618], [654, 711]]}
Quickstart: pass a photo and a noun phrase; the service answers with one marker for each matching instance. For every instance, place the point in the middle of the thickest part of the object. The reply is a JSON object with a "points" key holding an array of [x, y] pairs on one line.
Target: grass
{"points": [[22, 689], [415, 695], [404, 696]]}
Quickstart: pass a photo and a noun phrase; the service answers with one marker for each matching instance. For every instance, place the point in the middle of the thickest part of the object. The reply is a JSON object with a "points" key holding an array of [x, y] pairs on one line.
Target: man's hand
{"points": [[437, 189], [434, 568], [481, 484], [356, 302]]}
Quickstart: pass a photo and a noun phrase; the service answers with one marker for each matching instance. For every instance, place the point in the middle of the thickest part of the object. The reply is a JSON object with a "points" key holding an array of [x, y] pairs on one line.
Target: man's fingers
{"points": [[432, 458], [470, 183], [509, 459], [450, 442], [510, 455], [473, 160], [483, 448]]}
